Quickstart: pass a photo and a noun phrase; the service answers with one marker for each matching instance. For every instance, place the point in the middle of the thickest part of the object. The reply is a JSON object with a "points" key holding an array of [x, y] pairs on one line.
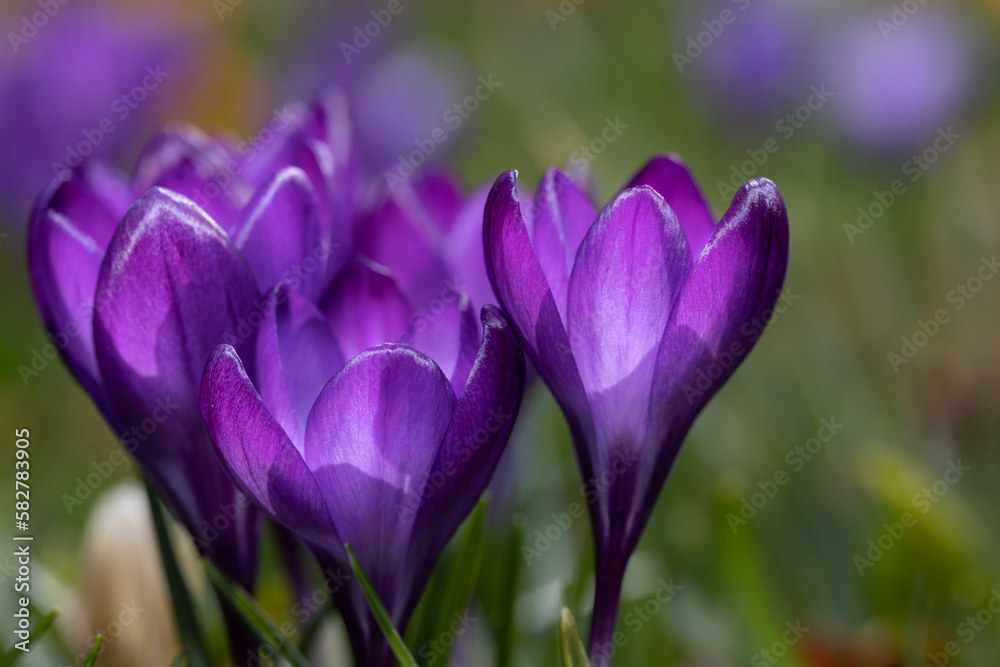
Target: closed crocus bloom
{"points": [[634, 318], [429, 234], [137, 284], [388, 452]]}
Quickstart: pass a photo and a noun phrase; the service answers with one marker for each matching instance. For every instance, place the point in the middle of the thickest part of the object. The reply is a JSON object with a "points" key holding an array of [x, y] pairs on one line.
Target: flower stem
{"points": [[609, 575]]}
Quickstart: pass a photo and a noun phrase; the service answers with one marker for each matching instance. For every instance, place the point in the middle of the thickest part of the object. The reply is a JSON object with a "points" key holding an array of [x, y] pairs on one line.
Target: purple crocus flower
{"points": [[898, 81], [634, 318], [137, 284], [388, 452], [429, 234], [86, 83]]}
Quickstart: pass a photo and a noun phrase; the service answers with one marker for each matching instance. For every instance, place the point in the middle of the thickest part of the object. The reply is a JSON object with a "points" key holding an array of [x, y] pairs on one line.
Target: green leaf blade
{"points": [[184, 614], [570, 645], [91, 657], [396, 642], [263, 628]]}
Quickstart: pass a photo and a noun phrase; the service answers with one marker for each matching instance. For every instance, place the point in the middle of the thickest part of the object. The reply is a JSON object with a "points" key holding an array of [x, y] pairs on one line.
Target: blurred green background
{"points": [[855, 290]]}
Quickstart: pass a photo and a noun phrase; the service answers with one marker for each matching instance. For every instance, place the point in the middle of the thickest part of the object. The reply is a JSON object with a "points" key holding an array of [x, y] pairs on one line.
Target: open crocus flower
{"points": [[634, 318], [137, 284], [388, 452]]}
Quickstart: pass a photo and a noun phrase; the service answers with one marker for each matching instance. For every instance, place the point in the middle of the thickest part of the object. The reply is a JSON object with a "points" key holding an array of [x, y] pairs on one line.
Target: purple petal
{"points": [[562, 216], [628, 272], [366, 308], [68, 235], [448, 333], [187, 161], [476, 437], [521, 288], [258, 454], [463, 249], [371, 440], [403, 235], [296, 356], [668, 175], [738, 278], [171, 288], [281, 236]]}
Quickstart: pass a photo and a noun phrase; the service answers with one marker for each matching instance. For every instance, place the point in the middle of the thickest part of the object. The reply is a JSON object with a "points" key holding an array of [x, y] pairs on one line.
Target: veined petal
{"points": [[371, 440], [296, 355], [562, 216], [365, 308], [448, 333], [187, 161], [737, 278], [484, 416], [281, 236], [68, 235], [171, 288], [404, 235], [258, 454], [522, 290], [628, 272], [668, 175]]}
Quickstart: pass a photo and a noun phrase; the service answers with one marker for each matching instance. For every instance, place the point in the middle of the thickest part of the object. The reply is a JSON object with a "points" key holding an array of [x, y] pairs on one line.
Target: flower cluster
{"points": [[332, 359]]}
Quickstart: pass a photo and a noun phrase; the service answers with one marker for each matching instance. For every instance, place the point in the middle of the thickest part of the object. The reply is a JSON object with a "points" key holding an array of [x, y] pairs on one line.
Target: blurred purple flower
{"points": [[388, 452], [895, 85], [429, 234], [85, 83], [137, 284], [634, 318], [757, 63]]}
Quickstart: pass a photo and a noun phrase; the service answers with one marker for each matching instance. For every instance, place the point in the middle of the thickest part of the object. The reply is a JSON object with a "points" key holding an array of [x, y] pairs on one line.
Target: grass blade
{"points": [[454, 582], [504, 625], [41, 627], [263, 628], [91, 657], [570, 645], [402, 653], [187, 621]]}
